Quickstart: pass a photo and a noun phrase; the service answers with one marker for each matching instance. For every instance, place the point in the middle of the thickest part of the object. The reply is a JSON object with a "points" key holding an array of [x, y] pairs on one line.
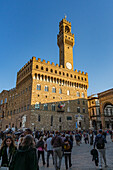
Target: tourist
{"points": [[57, 150], [7, 151], [77, 138], [26, 157], [100, 141], [67, 151], [49, 149], [86, 137], [40, 147], [91, 137]]}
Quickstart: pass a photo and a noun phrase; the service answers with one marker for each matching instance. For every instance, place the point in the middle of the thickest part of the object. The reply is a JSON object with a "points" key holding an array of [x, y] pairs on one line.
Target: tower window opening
{"points": [[51, 70], [42, 68], [37, 66], [67, 29]]}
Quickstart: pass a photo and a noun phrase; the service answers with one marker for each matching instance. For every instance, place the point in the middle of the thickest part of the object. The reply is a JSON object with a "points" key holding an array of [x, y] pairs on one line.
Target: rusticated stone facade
{"points": [[41, 82]]}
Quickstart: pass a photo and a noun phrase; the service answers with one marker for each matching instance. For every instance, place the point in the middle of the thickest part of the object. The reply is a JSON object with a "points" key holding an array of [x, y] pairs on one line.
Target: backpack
{"points": [[67, 145], [100, 143], [77, 137]]}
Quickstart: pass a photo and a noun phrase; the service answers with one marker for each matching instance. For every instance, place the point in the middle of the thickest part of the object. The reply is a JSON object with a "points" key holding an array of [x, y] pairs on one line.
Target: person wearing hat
{"points": [[100, 141]]}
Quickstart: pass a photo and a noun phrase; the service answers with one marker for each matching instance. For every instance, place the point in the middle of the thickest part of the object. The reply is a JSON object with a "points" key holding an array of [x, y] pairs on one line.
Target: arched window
{"points": [[51, 70], [68, 92], [38, 87], [45, 106], [83, 110], [60, 91], [37, 66], [37, 106], [42, 68], [78, 94], [83, 95], [53, 90], [67, 29], [78, 109], [46, 88], [53, 107]]}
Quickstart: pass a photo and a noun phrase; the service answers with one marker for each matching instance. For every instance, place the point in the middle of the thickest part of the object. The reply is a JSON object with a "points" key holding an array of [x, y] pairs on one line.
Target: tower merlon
{"points": [[39, 59], [43, 61], [61, 66], [52, 64], [33, 58], [48, 62]]}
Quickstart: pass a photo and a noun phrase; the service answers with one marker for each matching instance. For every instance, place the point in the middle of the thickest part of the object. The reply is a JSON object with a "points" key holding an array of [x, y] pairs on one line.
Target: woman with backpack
{"points": [[67, 152]]}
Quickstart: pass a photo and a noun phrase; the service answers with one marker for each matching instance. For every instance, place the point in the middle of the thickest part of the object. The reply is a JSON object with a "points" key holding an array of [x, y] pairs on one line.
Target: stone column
{"points": [[102, 117]]}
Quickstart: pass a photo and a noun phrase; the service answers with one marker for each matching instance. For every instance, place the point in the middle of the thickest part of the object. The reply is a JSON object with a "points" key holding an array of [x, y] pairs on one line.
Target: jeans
{"points": [[68, 158], [57, 152], [102, 154], [48, 155], [43, 158]]}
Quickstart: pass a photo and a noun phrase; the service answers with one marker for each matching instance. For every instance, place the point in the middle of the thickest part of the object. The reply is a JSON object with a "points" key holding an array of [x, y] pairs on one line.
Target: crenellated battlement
{"points": [[49, 64], [53, 64]]}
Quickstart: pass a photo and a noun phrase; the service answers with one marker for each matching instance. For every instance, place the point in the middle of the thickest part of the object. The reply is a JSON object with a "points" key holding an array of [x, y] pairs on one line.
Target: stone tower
{"points": [[65, 41]]}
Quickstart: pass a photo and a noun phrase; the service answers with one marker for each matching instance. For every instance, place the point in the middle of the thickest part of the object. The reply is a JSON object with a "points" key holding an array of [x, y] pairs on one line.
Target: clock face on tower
{"points": [[68, 65]]}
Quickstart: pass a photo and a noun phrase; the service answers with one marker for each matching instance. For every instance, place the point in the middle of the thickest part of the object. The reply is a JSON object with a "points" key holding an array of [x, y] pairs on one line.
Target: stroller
{"points": [[94, 153]]}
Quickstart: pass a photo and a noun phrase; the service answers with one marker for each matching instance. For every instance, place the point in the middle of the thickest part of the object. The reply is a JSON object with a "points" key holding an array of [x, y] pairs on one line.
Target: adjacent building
{"points": [[100, 109]]}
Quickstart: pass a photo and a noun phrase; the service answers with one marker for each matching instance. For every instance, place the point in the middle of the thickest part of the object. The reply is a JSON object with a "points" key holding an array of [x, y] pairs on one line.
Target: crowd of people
{"points": [[21, 150]]}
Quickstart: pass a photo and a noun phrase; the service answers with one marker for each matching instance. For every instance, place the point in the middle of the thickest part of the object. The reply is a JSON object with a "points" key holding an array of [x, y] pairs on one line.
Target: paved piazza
{"points": [[81, 158]]}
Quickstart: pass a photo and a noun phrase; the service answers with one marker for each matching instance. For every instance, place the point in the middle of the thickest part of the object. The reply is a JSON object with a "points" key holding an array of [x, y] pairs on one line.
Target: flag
{"points": [[61, 105]]}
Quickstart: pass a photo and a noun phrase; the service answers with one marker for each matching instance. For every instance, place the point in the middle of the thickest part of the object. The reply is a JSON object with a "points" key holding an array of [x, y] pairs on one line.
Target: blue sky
{"points": [[30, 27]]}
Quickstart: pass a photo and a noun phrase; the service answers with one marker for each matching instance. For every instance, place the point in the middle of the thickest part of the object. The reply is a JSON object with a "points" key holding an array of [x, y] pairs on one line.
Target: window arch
{"points": [[37, 106], [78, 94], [45, 106], [78, 109], [53, 90], [42, 68], [60, 91], [53, 107], [46, 88], [67, 29], [51, 70], [38, 87], [83, 95]]}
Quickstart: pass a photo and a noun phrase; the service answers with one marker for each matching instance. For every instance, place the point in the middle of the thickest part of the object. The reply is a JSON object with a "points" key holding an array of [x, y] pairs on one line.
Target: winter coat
{"points": [[3, 153], [25, 159]]}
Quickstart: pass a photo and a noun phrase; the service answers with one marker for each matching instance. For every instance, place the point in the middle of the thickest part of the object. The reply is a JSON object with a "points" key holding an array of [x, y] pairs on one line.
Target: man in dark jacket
{"points": [[100, 141], [57, 150]]}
